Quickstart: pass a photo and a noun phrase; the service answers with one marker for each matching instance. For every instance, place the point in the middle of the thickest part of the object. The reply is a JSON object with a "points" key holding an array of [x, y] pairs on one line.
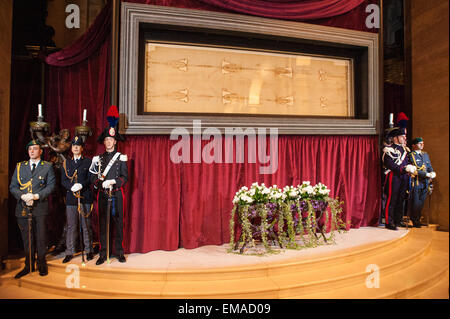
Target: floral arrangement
{"points": [[288, 218]]}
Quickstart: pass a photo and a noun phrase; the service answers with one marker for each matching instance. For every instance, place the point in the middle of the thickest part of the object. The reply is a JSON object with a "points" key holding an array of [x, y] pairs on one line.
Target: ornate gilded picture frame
{"points": [[229, 70]]}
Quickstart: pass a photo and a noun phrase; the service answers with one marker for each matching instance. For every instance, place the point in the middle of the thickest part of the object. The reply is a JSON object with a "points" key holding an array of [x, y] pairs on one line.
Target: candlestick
{"points": [[39, 110], [84, 115], [391, 119]]}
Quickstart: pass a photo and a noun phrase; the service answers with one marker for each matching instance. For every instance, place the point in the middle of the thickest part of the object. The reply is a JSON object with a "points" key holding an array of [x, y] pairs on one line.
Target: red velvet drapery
{"points": [[171, 205], [348, 14], [292, 10]]}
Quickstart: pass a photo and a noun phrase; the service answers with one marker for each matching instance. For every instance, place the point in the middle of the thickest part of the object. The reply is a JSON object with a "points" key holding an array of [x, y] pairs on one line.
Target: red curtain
{"points": [[348, 14], [292, 10], [88, 44], [188, 205]]}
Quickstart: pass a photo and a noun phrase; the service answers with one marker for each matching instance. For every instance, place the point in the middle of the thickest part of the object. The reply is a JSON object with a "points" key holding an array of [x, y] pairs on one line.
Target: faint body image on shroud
{"points": [[193, 79]]}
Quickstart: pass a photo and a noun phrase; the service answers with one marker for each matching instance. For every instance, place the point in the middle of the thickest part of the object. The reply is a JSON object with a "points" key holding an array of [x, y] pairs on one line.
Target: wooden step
{"points": [[408, 265], [408, 282]]}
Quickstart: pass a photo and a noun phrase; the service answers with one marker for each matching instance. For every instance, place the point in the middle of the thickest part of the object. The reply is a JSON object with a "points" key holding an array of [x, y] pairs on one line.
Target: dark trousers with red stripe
{"points": [[115, 226], [395, 191]]}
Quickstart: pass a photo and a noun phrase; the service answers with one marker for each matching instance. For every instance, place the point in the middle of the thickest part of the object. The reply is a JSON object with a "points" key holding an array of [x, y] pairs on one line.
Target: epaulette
{"points": [[388, 149]]}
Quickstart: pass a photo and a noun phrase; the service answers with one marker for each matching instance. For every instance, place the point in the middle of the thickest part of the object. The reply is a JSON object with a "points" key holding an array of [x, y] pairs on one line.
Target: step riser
{"points": [[395, 257], [229, 273], [412, 291], [282, 292]]}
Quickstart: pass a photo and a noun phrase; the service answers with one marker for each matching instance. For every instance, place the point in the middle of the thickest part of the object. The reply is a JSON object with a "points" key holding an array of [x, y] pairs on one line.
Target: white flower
{"points": [[246, 199], [309, 190], [265, 191]]}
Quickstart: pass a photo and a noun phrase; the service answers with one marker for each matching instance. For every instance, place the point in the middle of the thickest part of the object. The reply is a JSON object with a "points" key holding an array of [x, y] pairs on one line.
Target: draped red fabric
{"points": [[171, 205], [298, 10], [349, 14], [87, 44]]}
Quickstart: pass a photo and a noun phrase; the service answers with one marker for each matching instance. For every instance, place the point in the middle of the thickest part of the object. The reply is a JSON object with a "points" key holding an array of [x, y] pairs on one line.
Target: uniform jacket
{"points": [[41, 181], [82, 168], [118, 171], [395, 159], [422, 162]]}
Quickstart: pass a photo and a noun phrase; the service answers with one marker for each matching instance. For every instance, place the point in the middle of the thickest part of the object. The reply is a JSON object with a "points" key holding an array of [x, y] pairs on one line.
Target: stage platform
{"points": [[411, 263]]}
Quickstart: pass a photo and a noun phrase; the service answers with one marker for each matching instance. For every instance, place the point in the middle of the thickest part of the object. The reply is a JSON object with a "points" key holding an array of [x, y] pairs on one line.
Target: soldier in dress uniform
{"points": [[109, 173], [31, 184], [422, 179], [397, 170], [75, 179]]}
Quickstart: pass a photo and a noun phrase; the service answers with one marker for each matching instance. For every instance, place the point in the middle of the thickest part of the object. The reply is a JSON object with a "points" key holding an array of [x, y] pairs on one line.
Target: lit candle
{"points": [[391, 118], [84, 115], [40, 110]]}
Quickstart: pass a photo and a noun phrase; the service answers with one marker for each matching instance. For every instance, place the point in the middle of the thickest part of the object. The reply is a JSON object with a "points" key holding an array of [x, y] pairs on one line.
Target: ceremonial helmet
{"points": [[111, 130], [402, 121], [397, 131]]}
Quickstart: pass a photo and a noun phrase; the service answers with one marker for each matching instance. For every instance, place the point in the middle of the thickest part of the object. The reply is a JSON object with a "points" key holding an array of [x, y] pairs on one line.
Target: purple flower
{"points": [[303, 206]]}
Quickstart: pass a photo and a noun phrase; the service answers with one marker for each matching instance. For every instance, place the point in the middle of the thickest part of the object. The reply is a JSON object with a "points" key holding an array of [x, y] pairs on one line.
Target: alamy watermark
{"points": [[73, 18], [212, 152], [373, 280], [373, 19]]}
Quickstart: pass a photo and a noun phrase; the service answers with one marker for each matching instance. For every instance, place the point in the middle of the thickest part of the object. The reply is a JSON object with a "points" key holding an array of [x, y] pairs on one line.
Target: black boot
{"points": [[43, 270], [67, 259], [100, 260], [23, 272], [391, 227], [417, 225]]}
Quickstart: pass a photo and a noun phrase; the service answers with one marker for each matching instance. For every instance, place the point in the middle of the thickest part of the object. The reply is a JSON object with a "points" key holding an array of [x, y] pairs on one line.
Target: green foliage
{"points": [[267, 214]]}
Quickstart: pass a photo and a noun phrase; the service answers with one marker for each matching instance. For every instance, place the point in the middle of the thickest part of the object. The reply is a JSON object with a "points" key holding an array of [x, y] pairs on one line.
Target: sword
{"points": [[108, 209], [30, 220], [80, 208]]}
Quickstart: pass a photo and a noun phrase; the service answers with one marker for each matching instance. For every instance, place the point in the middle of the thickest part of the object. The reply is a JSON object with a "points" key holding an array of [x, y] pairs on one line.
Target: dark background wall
{"points": [[428, 28], [5, 74]]}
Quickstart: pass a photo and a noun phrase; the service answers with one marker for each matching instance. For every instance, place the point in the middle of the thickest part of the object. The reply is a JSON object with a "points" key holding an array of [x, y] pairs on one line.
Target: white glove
{"points": [[108, 183], [76, 187], [27, 197], [35, 196], [432, 174], [411, 169], [30, 202]]}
